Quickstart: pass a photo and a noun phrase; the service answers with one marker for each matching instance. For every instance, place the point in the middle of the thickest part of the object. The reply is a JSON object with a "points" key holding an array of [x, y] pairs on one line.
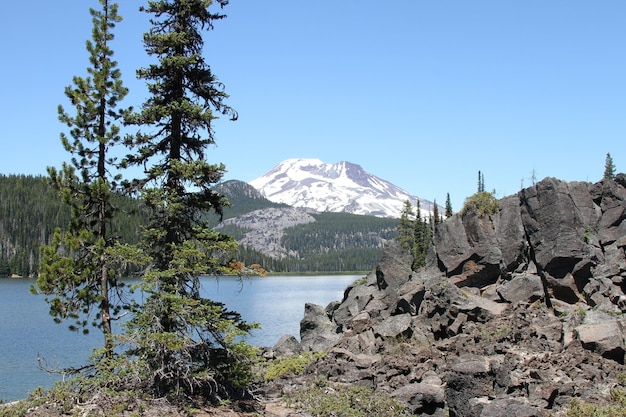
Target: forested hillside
{"points": [[333, 242], [30, 210], [243, 198]]}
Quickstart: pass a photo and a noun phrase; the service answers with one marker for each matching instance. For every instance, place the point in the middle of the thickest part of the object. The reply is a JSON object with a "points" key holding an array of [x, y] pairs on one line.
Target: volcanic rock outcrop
{"points": [[517, 313]]}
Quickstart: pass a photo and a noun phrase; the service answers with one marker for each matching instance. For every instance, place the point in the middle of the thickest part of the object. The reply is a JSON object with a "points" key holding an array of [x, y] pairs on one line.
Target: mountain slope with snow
{"points": [[340, 187]]}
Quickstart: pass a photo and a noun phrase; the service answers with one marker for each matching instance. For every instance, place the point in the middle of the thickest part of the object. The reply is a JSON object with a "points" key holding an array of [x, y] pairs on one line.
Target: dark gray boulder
{"points": [[423, 398], [521, 288], [602, 333], [394, 268], [468, 379], [287, 345], [511, 235], [558, 218], [513, 407], [317, 331], [467, 247]]}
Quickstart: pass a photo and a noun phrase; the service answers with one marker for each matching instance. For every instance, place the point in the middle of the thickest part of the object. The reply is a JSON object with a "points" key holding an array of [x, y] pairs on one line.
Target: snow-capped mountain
{"points": [[340, 187]]}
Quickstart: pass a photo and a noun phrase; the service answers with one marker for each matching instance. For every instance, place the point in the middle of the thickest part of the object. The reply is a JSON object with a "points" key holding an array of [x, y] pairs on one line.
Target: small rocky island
{"points": [[517, 313]]}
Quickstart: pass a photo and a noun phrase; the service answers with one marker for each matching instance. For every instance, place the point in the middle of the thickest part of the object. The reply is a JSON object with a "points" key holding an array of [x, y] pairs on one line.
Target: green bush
{"points": [[484, 203], [360, 281], [292, 365], [323, 400], [616, 408]]}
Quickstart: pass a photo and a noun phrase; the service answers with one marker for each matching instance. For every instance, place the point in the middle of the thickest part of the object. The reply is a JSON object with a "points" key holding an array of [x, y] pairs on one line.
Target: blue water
{"points": [[27, 331]]}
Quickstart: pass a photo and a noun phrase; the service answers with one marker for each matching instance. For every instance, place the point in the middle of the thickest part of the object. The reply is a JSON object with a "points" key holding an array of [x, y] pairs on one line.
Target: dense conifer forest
{"points": [[334, 242], [30, 210]]}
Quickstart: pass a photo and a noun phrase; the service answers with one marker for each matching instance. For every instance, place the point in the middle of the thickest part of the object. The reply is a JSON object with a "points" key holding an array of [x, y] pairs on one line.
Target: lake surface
{"points": [[28, 332]]}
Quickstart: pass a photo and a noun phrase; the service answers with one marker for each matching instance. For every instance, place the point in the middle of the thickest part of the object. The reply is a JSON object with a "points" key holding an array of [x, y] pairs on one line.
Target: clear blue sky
{"points": [[420, 93]]}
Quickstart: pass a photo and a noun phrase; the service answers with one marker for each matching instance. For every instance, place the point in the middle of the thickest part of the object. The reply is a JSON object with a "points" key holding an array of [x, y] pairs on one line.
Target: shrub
{"points": [[484, 203], [292, 365], [360, 281], [616, 408], [349, 401]]}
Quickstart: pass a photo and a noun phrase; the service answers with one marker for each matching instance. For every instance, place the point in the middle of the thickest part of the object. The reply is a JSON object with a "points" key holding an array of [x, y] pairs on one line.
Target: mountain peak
{"points": [[339, 187]]}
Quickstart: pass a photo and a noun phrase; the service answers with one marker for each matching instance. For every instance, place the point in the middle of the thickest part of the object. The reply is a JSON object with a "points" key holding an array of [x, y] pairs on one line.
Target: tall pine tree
{"points": [[421, 238], [609, 168], [405, 227], [481, 182], [448, 206], [77, 270], [187, 341]]}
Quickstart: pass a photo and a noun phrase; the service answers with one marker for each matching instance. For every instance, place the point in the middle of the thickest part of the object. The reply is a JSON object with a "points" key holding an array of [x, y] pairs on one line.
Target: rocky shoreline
{"points": [[518, 313]]}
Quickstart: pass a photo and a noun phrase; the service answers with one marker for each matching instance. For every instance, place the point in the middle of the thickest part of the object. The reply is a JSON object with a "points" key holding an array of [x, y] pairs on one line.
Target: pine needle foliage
{"points": [[414, 233], [189, 343], [79, 269], [609, 168]]}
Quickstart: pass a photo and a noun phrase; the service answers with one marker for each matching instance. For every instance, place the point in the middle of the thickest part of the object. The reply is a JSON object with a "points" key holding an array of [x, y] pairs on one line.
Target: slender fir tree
{"points": [[609, 168], [421, 239], [405, 234], [481, 182], [448, 206], [77, 270], [436, 215], [187, 341]]}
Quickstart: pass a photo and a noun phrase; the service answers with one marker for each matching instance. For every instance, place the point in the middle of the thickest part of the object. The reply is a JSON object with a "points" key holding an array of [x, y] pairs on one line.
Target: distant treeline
{"points": [[357, 260], [30, 211], [334, 242]]}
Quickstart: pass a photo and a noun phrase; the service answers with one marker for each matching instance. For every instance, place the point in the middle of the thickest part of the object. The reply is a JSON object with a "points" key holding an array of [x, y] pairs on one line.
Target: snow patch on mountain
{"points": [[339, 187]]}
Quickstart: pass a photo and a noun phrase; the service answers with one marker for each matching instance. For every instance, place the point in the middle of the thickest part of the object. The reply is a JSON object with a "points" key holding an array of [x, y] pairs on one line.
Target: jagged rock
{"points": [[355, 300], [603, 334], [610, 196], [511, 234], [469, 378], [394, 269], [603, 293], [467, 247], [410, 297], [521, 288], [517, 407], [317, 331], [423, 398], [556, 216], [394, 327], [518, 312], [361, 322], [287, 345]]}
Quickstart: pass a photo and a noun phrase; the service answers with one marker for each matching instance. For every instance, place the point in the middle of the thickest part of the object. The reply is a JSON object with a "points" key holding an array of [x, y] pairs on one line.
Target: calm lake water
{"points": [[27, 331]]}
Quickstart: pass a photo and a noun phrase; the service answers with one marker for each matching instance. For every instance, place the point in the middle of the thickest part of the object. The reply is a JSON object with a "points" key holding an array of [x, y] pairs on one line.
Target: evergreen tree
{"points": [[77, 267], [481, 182], [421, 240], [448, 206], [609, 168], [405, 228], [436, 215], [5, 269], [188, 342]]}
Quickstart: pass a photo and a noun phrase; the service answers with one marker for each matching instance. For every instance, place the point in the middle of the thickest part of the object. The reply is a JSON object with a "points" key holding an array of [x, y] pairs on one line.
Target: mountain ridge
{"points": [[285, 238], [339, 187]]}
